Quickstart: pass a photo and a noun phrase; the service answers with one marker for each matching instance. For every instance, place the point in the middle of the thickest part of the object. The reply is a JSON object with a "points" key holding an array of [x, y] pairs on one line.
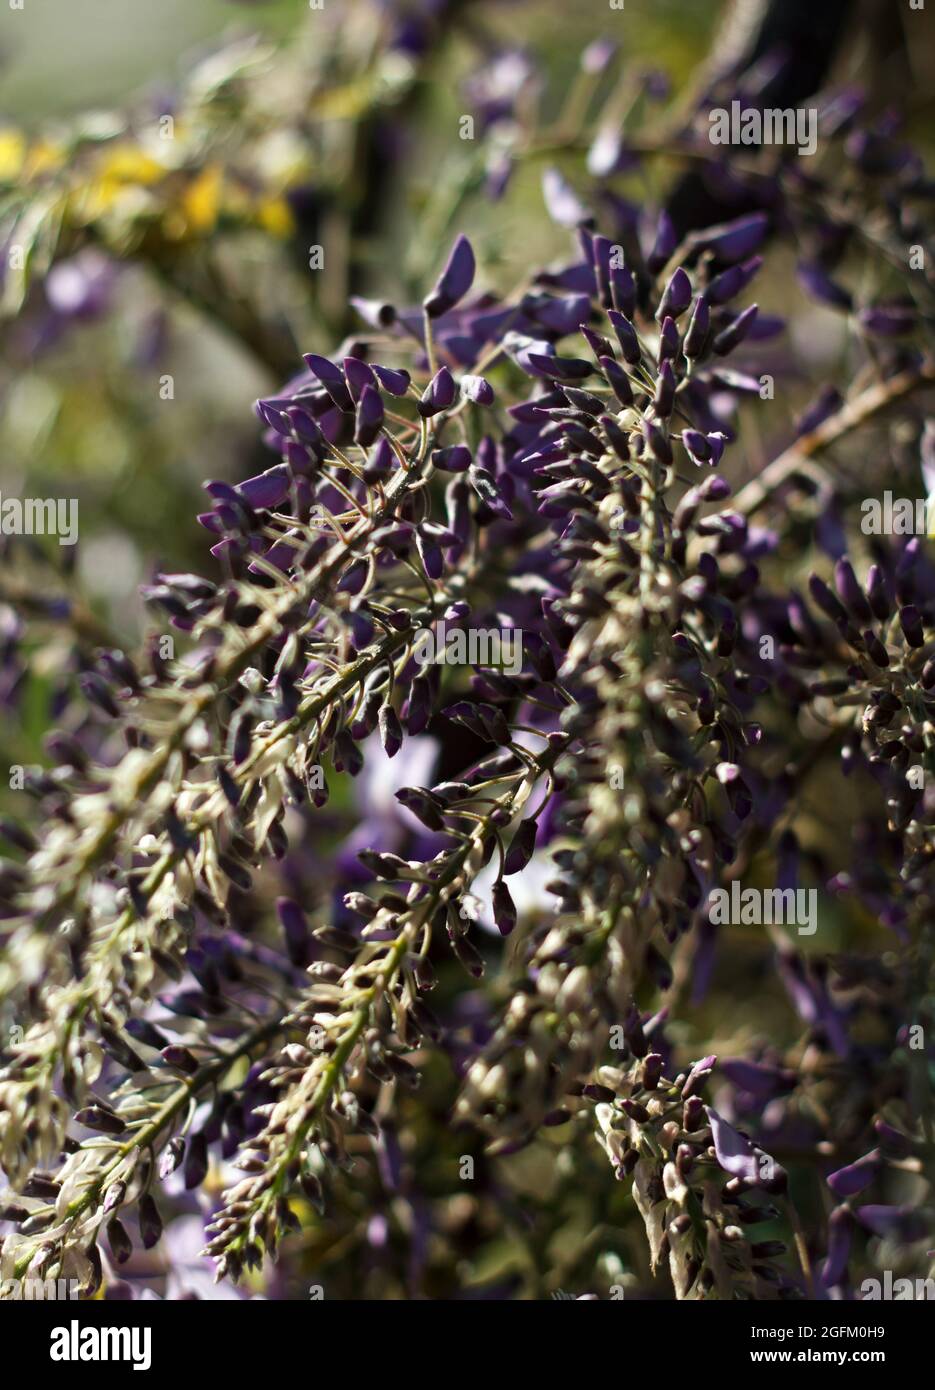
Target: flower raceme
{"points": [[519, 531]]}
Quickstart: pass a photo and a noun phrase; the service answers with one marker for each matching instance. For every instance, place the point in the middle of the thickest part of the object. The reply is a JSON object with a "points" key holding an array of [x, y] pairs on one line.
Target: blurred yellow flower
{"points": [[201, 201]]}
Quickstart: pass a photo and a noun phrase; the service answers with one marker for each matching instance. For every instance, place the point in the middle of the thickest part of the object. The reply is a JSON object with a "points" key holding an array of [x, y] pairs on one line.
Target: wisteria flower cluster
{"points": [[412, 880]]}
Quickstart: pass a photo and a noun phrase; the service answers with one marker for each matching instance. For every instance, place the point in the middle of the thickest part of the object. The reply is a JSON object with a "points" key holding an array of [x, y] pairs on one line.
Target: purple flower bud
{"points": [[438, 395], [196, 1161], [331, 378], [391, 733], [521, 847], [560, 368], [664, 399], [732, 241], [121, 1246], [664, 244], [730, 282], [358, 375], [735, 332], [455, 459], [618, 379], [888, 321], [676, 296], [267, 489], [840, 1229], [848, 1181], [504, 909], [669, 342], [696, 335], [150, 1222], [369, 417], [626, 336], [392, 380], [455, 280], [820, 286], [910, 620], [852, 595], [380, 462]]}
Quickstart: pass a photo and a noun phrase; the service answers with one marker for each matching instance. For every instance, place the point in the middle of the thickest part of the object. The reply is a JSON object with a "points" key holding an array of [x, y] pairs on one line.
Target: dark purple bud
{"points": [[391, 733], [98, 692], [121, 1246], [730, 282], [657, 442], [735, 332], [826, 600], [504, 909], [150, 1222], [848, 1181], [878, 594], [623, 290], [380, 462], [369, 417], [696, 334], [817, 283], [454, 282], [852, 595], [626, 336], [179, 1057], [332, 379], [424, 806], [732, 241], [358, 375], [438, 395], [698, 1076], [346, 755], [521, 847], [676, 297], [196, 1161], [892, 1141], [840, 1229], [267, 489], [455, 459], [910, 620], [888, 321], [394, 380], [618, 379], [664, 399], [756, 1078], [668, 341], [699, 450], [903, 1224], [875, 649], [101, 1118], [560, 368], [664, 244]]}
